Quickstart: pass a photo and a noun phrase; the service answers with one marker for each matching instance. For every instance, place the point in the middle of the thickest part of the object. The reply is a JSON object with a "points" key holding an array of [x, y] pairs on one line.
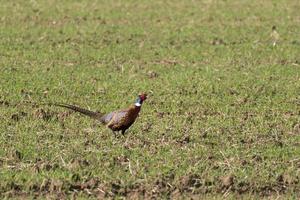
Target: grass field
{"points": [[222, 118]]}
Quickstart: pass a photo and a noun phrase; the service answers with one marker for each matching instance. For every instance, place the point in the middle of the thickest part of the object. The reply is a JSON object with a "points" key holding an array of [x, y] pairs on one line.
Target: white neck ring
{"points": [[138, 104]]}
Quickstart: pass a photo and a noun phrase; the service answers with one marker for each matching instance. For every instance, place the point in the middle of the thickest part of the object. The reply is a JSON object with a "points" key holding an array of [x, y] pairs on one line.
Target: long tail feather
{"points": [[89, 113]]}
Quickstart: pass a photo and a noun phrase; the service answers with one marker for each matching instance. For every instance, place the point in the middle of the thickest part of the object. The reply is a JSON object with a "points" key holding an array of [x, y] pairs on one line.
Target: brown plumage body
{"points": [[119, 120], [125, 122]]}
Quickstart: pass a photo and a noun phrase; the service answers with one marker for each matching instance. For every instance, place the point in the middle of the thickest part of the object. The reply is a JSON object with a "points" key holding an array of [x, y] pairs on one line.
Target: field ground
{"points": [[222, 118]]}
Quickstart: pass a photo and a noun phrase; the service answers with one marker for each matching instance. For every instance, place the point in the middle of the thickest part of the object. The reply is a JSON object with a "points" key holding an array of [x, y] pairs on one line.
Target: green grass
{"points": [[223, 102]]}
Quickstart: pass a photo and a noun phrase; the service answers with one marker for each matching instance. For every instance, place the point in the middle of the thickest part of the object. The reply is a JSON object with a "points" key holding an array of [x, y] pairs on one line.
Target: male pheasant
{"points": [[119, 120]]}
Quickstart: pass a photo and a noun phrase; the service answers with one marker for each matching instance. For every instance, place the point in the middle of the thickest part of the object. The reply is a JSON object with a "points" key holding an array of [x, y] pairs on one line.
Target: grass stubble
{"points": [[222, 119]]}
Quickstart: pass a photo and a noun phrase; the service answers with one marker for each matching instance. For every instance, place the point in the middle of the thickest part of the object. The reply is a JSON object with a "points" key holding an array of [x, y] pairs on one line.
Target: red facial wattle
{"points": [[143, 97]]}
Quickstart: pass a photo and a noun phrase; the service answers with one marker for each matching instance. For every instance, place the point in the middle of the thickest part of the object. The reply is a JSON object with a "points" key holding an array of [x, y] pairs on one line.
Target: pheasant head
{"points": [[141, 98]]}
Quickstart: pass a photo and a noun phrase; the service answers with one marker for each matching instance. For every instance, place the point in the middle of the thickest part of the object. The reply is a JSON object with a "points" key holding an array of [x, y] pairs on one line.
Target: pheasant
{"points": [[119, 120], [274, 36]]}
